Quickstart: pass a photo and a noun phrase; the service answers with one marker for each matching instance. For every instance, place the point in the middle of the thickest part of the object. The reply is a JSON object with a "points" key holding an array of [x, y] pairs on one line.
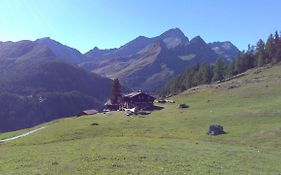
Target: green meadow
{"points": [[169, 141]]}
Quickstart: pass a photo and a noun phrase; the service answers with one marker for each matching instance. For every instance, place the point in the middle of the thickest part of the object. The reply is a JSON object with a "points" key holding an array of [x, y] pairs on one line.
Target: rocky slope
{"points": [[146, 63]]}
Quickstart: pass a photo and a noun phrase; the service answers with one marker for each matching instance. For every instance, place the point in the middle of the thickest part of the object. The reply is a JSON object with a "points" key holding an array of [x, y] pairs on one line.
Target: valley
{"points": [[43, 80], [169, 141], [140, 87]]}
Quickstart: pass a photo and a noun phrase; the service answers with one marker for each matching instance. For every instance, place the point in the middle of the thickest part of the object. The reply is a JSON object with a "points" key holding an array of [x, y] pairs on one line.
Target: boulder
{"points": [[215, 129], [95, 124], [183, 106]]}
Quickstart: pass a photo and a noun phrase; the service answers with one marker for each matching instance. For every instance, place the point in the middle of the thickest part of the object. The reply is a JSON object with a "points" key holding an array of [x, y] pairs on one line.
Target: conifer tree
{"points": [[231, 69], [277, 42], [239, 63], [261, 53], [116, 92], [219, 70], [206, 73], [270, 49]]}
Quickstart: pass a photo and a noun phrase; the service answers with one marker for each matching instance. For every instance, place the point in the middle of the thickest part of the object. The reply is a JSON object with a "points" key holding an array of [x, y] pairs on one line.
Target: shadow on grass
{"points": [[217, 134], [155, 108]]}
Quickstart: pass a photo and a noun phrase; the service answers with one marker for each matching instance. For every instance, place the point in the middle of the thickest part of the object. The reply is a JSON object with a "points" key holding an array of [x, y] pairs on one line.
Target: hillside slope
{"points": [[150, 68], [169, 141], [136, 56], [36, 86]]}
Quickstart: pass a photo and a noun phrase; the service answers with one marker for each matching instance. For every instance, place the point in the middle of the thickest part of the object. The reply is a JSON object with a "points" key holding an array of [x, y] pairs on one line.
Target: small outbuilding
{"points": [[88, 112]]}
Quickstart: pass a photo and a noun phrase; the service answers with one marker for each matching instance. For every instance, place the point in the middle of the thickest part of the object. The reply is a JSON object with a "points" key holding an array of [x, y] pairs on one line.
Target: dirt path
{"points": [[22, 135]]}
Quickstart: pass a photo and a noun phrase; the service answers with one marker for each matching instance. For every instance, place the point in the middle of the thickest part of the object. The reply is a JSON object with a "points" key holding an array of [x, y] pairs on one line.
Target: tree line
{"points": [[21, 111], [258, 55]]}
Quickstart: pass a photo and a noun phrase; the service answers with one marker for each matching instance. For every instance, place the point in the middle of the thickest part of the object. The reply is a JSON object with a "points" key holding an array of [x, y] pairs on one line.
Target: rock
{"points": [[95, 124], [215, 129], [183, 106], [231, 87]]}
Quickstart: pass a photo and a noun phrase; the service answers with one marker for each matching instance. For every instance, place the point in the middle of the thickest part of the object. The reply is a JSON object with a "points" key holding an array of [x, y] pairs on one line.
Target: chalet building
{"points": [[112, 107], [139, 100]]}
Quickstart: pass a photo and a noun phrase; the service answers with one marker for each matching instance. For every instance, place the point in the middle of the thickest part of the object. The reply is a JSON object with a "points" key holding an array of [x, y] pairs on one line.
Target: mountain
{"points": [[46, 75], [197, 51], [149, 68], [99, 53], [171, 38], [62, 51], [225, 49], [36, 86], [146, 63]]}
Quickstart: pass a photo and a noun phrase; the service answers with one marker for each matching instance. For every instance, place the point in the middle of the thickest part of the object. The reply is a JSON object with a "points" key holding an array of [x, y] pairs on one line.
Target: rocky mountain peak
{"points": [[225, 49], [197, 40], [174, 32], [61, 51], [173, 38]]}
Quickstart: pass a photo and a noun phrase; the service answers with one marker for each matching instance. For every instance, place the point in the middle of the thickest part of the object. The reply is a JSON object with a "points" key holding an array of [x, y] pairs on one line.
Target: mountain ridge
{"points": [[224, 49], [111, 63], [36, 86]]}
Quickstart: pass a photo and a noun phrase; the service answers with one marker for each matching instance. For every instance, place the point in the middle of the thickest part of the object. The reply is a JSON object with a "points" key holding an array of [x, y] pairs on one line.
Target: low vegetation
{"points": [[168, 141]]}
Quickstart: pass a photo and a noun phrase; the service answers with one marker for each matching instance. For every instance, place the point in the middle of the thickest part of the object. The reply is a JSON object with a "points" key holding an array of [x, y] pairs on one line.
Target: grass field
{"points": [[169, 141]]}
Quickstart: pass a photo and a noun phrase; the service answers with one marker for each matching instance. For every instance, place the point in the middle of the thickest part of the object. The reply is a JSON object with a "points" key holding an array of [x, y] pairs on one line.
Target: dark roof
{"points": [[133, 94], [90, 112]]}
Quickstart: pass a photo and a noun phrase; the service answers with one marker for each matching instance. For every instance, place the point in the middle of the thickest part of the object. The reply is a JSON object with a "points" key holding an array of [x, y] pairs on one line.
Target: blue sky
{"points": [[84, 24]]}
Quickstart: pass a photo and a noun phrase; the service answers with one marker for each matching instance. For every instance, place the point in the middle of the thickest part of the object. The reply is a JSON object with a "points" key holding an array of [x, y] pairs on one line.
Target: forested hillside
{"points": [[36, 86], [258, 55]]}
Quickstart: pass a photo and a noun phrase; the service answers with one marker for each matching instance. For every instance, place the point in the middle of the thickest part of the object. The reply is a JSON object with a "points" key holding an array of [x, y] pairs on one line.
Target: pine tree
{"points": [[231, 69], [277, 43], [116, 92], [270, 49], [260, 60], [188, 77], [239, 63], [219, 70], [205, 73], [276, 38], [261, 53], [250, 57]]}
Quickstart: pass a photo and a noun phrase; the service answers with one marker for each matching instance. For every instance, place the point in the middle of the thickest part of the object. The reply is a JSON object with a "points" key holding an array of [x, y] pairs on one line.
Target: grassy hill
{"points": [[169, 141]]}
